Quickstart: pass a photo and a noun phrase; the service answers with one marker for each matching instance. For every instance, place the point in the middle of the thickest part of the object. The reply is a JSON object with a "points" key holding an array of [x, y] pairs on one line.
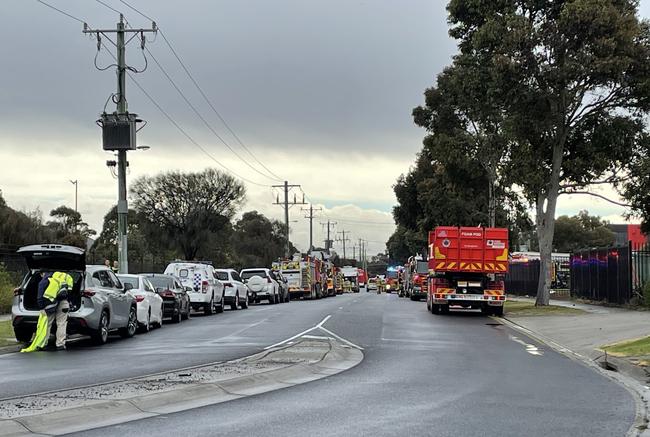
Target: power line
{"points": [[60, 11], [205, 97], [198, 114], [135, 10], [181, 130], [110, 7], [194, 142]]}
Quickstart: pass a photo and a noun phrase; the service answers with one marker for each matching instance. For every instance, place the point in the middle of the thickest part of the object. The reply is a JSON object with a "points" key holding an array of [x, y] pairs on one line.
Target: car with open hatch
{"points": [[99, 303]]}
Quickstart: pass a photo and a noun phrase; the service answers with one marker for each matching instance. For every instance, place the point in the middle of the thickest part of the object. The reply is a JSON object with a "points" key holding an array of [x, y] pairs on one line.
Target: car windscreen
{"points": [[222, 276], [134, 282], [161, 281], [250, 273]]}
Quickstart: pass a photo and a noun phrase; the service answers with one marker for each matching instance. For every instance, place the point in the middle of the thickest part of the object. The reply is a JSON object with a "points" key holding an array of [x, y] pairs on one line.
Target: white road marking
{"points": [[319, 326], [530, 348], [341, 339]]}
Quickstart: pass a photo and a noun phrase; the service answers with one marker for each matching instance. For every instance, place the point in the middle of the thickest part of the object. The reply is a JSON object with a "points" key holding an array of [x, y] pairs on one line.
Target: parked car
{"points": [[372, 284], [149, 303], [261, 284], [206, 292], [283, 284], [99, 304], [176, 301], [235, 291]]}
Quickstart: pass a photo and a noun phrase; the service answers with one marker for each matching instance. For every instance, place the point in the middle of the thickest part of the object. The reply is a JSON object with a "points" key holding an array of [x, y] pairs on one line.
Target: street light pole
{"points": [[76, 192]]}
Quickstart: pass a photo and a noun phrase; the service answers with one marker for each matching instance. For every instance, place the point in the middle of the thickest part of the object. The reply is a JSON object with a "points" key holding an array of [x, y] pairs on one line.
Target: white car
{"points": [[261, 285], [149, 303], [235, 291], [207, 291]]}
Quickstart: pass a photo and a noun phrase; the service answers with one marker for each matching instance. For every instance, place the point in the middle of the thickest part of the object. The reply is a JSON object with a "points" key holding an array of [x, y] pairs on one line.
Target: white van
{"points": [[207, 291]]}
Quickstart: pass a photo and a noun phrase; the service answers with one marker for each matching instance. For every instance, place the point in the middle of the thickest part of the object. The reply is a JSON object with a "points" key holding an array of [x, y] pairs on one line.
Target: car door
{"points": [[155, 301], [243, 289], [218, 287], [183, 298], [121, 301]]}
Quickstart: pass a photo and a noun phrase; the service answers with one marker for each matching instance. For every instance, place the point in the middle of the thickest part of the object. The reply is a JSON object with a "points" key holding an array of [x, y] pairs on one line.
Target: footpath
{"points": [[614, 340]]}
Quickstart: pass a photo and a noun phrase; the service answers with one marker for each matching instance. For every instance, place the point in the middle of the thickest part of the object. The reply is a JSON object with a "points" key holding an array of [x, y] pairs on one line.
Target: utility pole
{"points": [[344, 240], [311, 211], [118, 129], [286, 187], [328, 242], [76, 192]]}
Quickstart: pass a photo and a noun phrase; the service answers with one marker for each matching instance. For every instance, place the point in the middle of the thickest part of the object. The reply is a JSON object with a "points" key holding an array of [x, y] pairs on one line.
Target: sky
{"points": [[320, 91]]}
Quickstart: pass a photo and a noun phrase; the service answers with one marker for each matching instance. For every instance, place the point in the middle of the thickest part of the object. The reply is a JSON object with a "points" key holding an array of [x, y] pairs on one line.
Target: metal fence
{"points": [[603, 274], [640, 263], [523, 277]]}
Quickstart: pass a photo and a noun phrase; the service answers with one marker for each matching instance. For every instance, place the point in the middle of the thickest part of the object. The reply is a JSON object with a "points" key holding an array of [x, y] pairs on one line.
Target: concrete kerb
{"points": [[95, 413], [639, 392]]}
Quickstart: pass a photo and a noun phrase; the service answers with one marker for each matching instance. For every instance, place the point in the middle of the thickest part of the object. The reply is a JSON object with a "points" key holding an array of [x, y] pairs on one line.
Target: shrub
{"points": [[6, 290]]}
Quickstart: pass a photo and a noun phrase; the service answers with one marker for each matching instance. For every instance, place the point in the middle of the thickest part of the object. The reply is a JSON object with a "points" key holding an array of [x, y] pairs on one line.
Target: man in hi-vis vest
{"points": [[53, 303]]}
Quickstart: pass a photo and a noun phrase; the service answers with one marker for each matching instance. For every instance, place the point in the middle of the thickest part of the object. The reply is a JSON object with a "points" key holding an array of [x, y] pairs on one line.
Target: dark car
{"points": [[176, 301]]}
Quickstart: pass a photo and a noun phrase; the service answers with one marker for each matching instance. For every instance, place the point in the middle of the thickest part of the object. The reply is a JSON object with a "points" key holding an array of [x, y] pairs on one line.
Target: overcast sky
{"points": [[320, 90]]}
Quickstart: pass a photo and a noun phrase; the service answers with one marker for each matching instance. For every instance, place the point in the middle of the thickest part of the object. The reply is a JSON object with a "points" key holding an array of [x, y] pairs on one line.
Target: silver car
{"points": [[99, 303]]}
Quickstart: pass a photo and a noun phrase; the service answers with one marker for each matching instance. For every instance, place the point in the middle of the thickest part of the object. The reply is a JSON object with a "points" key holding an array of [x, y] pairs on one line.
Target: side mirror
{"points": [[159, 290], [128, 287], [188, 289]]}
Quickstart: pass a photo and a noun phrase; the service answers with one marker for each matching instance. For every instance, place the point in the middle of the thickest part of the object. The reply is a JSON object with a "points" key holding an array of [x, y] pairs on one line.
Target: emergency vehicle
{"points": [[304, 277], [468, 267], [351, 276]]}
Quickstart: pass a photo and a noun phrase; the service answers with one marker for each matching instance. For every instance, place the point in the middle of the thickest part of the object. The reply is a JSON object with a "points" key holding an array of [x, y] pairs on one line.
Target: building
{"points": [[628, 232]]}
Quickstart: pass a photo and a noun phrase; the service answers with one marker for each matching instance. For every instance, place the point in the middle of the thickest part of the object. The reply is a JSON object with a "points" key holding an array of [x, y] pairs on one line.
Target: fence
{"points": [[523, 277], [603, 274]]}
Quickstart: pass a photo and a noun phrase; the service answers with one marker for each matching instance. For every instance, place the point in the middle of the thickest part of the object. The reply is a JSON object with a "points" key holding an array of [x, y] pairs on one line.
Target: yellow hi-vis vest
{"points": [[57, 281]]}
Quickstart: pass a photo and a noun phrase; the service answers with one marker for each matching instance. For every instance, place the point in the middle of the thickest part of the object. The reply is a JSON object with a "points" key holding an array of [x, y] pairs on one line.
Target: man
{"points": [[116, 267], [53, 303]]}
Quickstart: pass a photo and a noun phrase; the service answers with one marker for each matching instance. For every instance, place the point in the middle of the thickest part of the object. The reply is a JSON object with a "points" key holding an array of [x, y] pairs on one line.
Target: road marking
{"points": [[322, 328], [320, 325], [341, 339], [530, 348]]}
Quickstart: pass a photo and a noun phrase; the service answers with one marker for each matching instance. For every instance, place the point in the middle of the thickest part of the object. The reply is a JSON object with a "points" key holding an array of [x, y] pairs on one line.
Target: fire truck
{"points": [[468, 267], [416, 273], [305, 277]]}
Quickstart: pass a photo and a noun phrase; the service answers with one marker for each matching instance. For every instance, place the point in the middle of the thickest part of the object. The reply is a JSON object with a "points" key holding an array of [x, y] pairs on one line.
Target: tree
{"points": [[69, 228], [444, 190], [258, 241], [186, 209], [572, 77], [19, 228], [580, 232]]}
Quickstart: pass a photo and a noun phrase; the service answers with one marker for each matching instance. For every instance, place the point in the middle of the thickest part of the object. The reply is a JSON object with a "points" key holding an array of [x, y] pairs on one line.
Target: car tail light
{"points": [[88, 292], [139, 298], [204, 286], [18, 291], [167, 293]]}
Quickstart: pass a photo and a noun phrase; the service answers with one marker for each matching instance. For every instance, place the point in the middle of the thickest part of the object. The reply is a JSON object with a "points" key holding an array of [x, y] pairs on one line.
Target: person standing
{"points": [[54, 306], [116, 267]]}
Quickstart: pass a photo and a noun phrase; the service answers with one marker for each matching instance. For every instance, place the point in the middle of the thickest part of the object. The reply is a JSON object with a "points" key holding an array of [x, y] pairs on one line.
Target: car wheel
{"points": [[24, 334], [209, 308], [184, 315], [177, 316], [146, 326], [132, 325], [244, 303], [235, 305], [221, 305], [100, 336], [159, 323]]}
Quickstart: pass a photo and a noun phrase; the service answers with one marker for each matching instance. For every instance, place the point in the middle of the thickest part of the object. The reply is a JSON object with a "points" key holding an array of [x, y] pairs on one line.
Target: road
{"points": [[422, 375]]}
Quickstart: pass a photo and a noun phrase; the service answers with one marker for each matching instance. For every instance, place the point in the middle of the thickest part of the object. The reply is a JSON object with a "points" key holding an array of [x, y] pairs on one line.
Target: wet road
{"points": [[422, 375]]}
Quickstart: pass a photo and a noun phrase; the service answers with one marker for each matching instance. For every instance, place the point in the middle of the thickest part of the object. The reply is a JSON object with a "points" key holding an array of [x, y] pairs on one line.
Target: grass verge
{"points": [[7, 334], [519, 308], [629, 348]]}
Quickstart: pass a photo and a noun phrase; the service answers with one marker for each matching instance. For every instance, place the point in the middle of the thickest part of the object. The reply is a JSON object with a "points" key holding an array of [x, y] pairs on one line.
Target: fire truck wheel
{"points": [[435, 309], [498, 311], [486, 310], [428, 305], [444, 309]]}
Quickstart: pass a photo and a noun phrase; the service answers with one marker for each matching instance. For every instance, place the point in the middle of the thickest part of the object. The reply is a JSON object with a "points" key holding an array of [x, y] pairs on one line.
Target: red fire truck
{"points": [[468, 265]]}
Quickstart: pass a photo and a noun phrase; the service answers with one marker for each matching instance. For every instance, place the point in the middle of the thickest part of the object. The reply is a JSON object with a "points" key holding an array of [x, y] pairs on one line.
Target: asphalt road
{"points": [[422, 375], [200, 340]]}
